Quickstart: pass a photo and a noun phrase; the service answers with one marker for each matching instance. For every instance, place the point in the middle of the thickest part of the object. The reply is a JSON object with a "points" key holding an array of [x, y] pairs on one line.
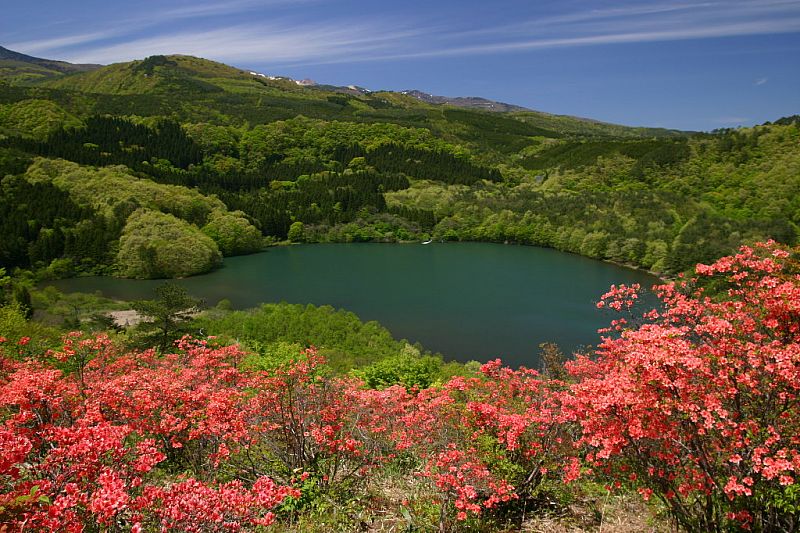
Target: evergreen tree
{"points": [[165, 316]]}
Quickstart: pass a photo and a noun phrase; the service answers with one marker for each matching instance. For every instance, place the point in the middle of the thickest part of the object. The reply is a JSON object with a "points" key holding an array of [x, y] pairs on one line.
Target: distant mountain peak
{"points": [[51, 64], [471, 102]]}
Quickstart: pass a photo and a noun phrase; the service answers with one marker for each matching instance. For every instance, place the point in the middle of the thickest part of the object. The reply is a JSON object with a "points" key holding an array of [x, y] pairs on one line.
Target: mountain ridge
{"points": [[471, 102], [171, 75], [323, 165], [19, 67]]}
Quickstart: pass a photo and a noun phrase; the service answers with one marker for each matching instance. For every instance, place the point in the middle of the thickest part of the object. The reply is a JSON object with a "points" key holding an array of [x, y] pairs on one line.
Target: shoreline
{"points": [[280, 244]]}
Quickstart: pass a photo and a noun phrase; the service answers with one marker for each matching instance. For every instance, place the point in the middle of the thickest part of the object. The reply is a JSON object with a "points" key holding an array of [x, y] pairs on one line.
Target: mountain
{"points": [[320, 163], [154, 75], [197, 89], [470, 102], [348, 89], [166, 81], [17, 67], [163, 166]]}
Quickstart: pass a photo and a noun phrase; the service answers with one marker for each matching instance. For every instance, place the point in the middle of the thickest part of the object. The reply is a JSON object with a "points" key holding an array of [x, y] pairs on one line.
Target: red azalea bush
{"points": [[297, 420], [699, 404], [95, 445], [185, 440], [487, 441]]}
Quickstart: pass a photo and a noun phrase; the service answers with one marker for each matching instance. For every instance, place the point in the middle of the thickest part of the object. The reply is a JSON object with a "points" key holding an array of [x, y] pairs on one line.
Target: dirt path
{"points": [[125, 319]]}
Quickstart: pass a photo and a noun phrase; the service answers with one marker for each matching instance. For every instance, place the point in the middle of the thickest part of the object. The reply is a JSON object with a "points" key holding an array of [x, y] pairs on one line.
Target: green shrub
{"points": [[405, 369], [233, 233], [155, 245]]}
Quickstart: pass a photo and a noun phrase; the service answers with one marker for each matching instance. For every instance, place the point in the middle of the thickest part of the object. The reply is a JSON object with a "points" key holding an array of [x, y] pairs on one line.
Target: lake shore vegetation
{"points": [[692, 407], [248, 162]]}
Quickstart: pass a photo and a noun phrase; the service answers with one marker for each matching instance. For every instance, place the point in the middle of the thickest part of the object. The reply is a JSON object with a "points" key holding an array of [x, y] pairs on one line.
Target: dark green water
{"points": [[466, 300]]}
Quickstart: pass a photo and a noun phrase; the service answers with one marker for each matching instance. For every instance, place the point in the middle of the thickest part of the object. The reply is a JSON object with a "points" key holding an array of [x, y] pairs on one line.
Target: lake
{"points": [[466, 300]]}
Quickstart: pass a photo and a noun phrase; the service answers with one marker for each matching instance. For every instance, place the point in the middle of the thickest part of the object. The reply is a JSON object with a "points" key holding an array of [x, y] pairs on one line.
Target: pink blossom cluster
{"points": [[698, 406]]}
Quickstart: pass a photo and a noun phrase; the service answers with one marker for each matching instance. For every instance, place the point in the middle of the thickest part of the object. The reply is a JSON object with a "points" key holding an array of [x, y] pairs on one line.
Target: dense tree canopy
{"points": [[233, 233], [155, 245], [191, 137]]}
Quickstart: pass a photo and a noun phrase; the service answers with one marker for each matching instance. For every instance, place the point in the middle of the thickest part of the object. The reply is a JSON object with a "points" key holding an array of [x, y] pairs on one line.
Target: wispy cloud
{"points": [[580, 18], [275, 43], [66, 41], [291, 40], [761, 81], [128, 28], [206, 9], [675, 34], [630, 24]]}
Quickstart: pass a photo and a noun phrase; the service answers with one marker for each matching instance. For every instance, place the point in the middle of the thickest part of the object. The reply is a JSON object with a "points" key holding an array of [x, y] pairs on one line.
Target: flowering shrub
{"points": [[488, 440], [111, 440], [698, 406], [194, 506], [83, 447], [298, 420]]}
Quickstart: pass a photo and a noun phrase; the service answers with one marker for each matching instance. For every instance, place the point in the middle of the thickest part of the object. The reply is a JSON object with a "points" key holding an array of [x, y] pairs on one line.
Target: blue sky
{"points": [[678, 64]]}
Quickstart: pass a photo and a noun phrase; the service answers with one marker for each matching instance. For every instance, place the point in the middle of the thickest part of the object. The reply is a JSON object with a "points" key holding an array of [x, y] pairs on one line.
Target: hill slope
{"points": [[470, 102], [184, 75], [315, 163], [17, 67]]}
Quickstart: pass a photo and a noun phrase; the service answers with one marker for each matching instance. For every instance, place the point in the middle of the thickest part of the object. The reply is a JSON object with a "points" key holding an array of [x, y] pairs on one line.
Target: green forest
{"points": [[95, 164], [171, 413]]}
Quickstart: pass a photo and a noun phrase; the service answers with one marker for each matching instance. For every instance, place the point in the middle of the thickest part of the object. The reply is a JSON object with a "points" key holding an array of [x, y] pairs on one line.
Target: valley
{"points": [[235, 301], [371, 167]]}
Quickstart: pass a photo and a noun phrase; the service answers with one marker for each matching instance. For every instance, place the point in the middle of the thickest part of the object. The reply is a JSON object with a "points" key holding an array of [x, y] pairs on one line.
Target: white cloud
{"points": [[352, 38], [275, 43], [634, 24], [66, 41], [223, 8], [761, 81], [131, 25], [673, 34]]}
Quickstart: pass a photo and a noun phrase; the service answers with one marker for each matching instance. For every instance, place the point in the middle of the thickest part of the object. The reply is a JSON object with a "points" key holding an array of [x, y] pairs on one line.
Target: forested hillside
{"points": [[169, 414], [224, 161]]}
